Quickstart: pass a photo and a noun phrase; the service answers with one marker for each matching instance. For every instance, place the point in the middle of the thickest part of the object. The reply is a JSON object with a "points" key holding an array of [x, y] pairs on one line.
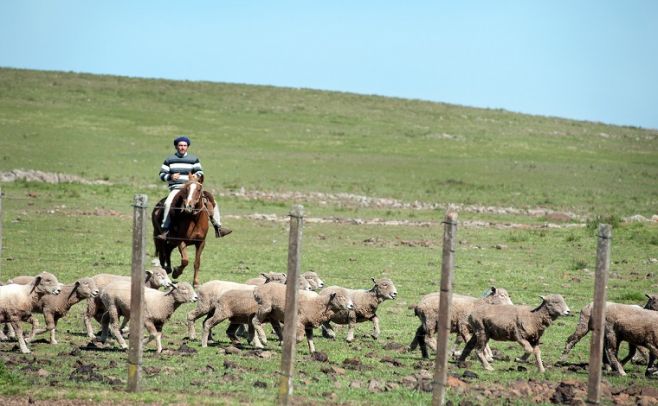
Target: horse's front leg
{"points": [[197, 263], [184, 260]]}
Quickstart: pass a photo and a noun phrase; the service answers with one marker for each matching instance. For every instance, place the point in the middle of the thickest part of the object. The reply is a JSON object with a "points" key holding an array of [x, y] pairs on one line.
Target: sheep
{"points": [[365, 307], [54, 307], [158, 308], [512, 323], [239, 306], [427, 310], [312, 310], [210, 292], [17, 302], [153, 278], [584, 325], [639, 327]]}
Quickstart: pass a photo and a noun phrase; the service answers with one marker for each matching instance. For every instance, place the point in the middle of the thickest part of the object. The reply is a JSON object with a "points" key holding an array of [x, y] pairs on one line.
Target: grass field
{"points": [[375, 176]]}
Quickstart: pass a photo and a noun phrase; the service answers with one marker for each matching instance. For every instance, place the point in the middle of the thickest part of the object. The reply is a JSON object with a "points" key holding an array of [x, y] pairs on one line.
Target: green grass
{"points": [[289, 140]]}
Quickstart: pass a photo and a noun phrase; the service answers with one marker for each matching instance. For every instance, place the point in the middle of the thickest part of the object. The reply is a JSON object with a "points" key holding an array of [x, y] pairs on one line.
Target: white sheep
{"points": [[210, 292], [427, 310], [522, 324], [312, 310], [239, 306], [17, 302], [158, 308], [639, 327], [365, 303], [153, 278], [54, 307], [584, 325]]}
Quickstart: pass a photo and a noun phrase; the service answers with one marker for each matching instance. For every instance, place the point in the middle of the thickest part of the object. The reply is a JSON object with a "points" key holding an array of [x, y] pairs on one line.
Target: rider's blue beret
{"points": [[182, 138]]}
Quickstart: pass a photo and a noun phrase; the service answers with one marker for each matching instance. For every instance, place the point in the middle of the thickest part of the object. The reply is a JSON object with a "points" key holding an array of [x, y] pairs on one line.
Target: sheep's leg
{"points": [[3, 336], [375, 325], [277, 329], [631, 353], [262, 338], [309, 338], [153, 334], [114, 326], [327, 330], [582, 328], [50, 326], [254, 340], [419, 340], [611, 348], [19, 336], [105, 327], [10, 331], [537, 353], [481, 344], [202, 308], [210, 322], [242, 330], [230, 333], [420, 334], [92, 308], [467, 351], [351, 323]]}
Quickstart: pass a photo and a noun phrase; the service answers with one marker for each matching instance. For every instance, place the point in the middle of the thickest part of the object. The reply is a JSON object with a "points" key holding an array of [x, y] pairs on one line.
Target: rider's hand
{"points": [[175, 176]]}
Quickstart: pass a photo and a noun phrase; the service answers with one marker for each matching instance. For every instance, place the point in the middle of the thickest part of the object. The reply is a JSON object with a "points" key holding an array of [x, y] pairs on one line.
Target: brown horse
{"points": [[189, 214]]}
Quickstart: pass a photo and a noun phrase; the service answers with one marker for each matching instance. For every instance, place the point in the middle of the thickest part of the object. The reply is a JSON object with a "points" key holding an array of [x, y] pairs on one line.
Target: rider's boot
{"points": [[221, 231]]}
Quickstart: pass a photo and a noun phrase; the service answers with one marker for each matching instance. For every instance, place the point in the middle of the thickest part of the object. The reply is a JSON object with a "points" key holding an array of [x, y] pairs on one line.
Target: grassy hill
{"points": [[375, 176], [278, 139]]}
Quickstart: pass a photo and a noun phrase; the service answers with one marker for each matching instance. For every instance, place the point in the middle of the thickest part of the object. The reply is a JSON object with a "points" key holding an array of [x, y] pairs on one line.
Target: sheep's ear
{"points": [[332, 296], [149, 272], [37, 280], [542, 298], [493, 289], [373, 280], [76, 284], [648, 297]]}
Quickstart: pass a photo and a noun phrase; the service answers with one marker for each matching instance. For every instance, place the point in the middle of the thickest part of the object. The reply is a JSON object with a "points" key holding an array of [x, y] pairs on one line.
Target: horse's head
{"points": [[191, 194]]}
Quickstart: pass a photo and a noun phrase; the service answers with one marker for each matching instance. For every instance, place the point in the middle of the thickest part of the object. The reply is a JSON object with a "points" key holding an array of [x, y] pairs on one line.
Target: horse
{"points": [[189, 213]]}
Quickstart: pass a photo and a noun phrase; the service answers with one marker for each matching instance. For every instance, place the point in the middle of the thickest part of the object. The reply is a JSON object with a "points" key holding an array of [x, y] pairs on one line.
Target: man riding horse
{"points": [[176, 170]]}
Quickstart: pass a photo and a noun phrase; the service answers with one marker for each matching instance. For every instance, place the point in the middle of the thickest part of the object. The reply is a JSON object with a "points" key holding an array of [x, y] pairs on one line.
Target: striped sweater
{"points": [[184, 165]]}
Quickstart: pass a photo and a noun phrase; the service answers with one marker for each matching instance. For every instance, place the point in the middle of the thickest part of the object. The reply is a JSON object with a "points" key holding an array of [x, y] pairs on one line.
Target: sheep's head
{"points": [[556, 305], [498, 296], [385, 288], [652, 302], [157, 278], [183, 293], [314, 280], [86, 288], [46, 283], [340, 299]]}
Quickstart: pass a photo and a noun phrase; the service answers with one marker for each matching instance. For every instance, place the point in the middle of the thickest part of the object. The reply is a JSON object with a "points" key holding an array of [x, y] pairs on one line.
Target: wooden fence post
{"points": [[598, 314], [136, 347], [441, 362], [290, 319]]}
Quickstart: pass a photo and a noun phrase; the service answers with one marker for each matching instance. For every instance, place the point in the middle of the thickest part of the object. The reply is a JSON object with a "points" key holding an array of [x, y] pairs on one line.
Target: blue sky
{"points": [[586, 60]]}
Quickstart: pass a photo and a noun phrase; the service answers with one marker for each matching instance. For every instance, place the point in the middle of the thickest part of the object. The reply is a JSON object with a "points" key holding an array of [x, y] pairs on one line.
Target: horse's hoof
{"points": [[177, 273]]}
